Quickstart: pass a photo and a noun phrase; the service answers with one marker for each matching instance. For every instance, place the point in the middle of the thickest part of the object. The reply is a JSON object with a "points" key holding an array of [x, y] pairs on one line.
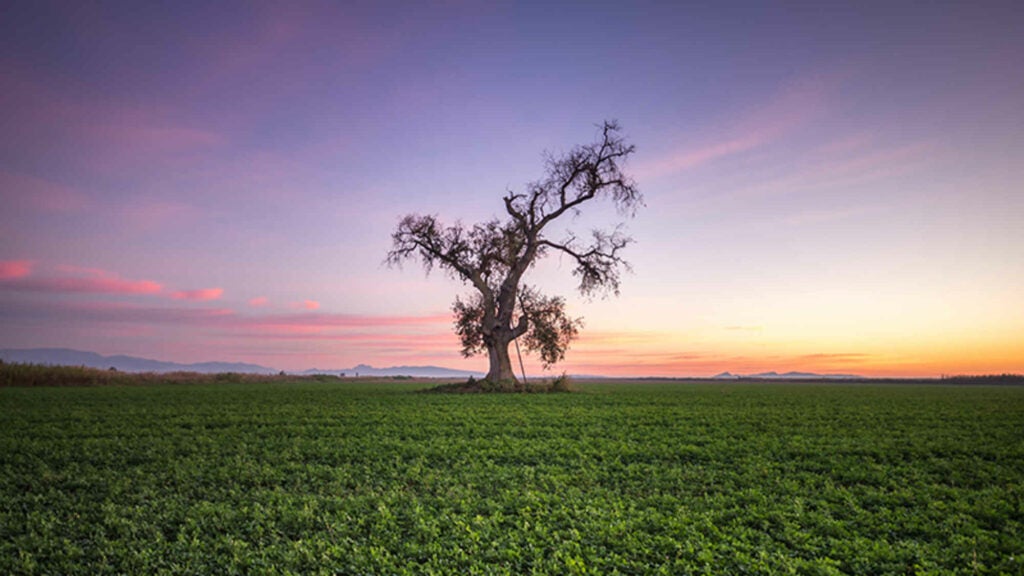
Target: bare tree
{"points": [[493, 256]]}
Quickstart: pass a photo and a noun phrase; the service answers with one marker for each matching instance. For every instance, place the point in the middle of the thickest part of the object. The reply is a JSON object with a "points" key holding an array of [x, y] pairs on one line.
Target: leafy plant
{"points": [[302, 476]]}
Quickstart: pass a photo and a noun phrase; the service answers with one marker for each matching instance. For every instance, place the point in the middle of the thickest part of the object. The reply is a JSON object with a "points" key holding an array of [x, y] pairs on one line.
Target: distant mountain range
{"points": [[417, 371], [68, 357], [786, 376]]}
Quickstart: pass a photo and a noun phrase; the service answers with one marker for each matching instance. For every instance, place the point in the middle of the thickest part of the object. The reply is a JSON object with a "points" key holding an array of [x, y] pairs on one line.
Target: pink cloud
{"points": [[391, 330], [226, 319], [96, 285], [80, 280], [13, 269], [441, 340], [306, 305], [258, 301], [348, 321], [201, 295]]}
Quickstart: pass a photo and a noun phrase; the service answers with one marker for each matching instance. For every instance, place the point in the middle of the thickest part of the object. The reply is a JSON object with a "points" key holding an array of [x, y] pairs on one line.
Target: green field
{"points": [[349, 478]]}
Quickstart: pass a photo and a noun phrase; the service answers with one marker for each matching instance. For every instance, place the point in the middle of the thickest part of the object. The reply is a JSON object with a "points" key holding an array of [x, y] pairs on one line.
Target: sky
{"points": [[829, 187]]}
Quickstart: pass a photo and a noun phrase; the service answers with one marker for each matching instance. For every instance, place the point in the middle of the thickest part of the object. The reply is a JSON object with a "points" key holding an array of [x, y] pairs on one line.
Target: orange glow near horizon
{"points": [[662, 354], [903, 335]]}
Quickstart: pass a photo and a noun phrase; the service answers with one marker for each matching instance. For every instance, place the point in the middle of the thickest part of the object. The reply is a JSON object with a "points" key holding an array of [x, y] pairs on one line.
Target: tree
{"points": [[493, 256]]}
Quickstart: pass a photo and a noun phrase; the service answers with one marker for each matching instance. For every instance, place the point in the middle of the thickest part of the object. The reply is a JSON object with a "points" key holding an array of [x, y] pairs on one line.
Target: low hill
{"points": [[785, 376], [69, 357]]}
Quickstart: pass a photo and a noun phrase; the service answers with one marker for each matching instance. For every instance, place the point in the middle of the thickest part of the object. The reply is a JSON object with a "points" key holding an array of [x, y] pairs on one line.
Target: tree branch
{"points": [[589, 170], [447, 248], [598, 264], [512, 211]]}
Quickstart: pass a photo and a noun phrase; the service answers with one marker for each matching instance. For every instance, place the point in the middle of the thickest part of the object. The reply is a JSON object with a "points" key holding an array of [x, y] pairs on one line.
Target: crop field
{"points": [[373, 478]]}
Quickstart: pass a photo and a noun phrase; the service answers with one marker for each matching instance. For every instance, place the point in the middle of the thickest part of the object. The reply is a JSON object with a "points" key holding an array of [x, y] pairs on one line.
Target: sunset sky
{"points": [[829, 187]]}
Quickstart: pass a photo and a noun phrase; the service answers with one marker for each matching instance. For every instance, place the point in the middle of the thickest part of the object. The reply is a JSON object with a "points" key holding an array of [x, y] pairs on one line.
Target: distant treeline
{"points": [[27, 375], [987, 379], [17, 374]]}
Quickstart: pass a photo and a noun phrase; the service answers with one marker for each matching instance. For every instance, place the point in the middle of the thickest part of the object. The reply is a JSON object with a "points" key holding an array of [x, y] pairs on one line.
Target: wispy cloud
{"points": [[439, 340], [854, 162], [25, 276], [692, 158], [200, 295], [346, 321], [104, 313], [275, 28], [259, 301], [836, 358], [79, 280], [225, 318], [147, 215], [39, 194], [874, 162], [152, 136], [106, 136], [791, 107], [109, 285]]}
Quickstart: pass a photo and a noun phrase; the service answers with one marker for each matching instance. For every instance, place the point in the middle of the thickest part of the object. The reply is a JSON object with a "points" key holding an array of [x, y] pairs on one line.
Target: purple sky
{"points": [[829, 187]]}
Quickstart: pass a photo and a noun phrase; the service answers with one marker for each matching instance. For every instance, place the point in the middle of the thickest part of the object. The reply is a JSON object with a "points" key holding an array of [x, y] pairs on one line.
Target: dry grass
{"points": [[30, 375], [13, 374]]}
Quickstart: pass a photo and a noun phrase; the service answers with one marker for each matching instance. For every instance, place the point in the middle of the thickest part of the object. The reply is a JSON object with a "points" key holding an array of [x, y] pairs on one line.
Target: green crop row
{"points": [[342, 478]]}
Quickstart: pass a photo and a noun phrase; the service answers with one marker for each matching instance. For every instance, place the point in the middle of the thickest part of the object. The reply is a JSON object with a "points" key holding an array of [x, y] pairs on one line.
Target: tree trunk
{"points": [[500, 373]]}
